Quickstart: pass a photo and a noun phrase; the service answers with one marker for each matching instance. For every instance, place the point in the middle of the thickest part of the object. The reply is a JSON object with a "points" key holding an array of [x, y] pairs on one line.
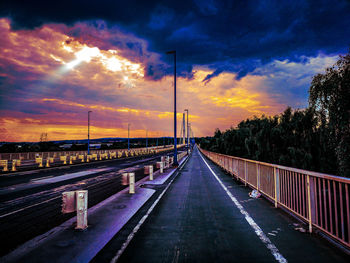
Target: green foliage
{"points": [[292, 138], [330, 98]]}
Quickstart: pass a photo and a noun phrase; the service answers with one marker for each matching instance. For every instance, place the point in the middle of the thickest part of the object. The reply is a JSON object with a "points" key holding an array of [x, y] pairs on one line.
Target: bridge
{"points": [[212, 208]]}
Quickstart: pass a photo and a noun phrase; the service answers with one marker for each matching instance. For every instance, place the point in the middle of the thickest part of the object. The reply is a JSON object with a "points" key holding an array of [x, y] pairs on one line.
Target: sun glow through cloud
{"points": [[50, 80]]}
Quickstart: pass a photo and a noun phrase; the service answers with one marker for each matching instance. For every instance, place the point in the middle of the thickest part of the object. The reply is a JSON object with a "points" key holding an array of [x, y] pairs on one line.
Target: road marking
{"points": [[24, 208], [69, 176], [41, 178], [258, 231], [29, 172], [143, 219]]}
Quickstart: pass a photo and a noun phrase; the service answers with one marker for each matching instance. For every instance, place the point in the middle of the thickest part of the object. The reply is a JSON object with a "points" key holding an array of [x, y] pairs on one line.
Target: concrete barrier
{"points": [[39, 161], [4, 164], [81, 157], [64, 159]]}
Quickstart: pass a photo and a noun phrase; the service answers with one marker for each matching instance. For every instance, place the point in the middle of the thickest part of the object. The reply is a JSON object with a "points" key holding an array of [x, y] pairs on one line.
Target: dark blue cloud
{"points": [[208, 32]]}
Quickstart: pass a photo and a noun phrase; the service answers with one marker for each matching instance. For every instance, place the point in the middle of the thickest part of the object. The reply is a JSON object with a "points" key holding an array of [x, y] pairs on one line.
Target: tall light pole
{"points": [[146, 138], [175, 136], [128, 136], [89, 131], [187, 130]]}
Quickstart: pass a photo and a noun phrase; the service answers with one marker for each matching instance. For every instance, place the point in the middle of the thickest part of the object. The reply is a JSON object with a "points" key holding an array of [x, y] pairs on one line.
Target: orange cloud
{"points": [[53, 79]]}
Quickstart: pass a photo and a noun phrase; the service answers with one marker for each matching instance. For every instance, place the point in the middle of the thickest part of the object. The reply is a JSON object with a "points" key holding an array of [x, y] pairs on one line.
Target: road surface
{"points": [[206, 216]]}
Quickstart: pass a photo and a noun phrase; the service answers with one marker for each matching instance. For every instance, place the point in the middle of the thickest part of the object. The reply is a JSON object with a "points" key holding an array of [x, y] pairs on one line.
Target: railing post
{"points": [[309, 203], [82, 206], [131, 183], [150, 172], [276, 175], [245, 172], [257, 176], [160, 166]]}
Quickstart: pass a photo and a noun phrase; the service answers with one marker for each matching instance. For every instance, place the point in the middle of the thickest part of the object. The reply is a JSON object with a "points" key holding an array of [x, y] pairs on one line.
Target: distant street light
{"points": [[146, 138], [128, 136], [175, 136], [89, 131], [187, 130]]}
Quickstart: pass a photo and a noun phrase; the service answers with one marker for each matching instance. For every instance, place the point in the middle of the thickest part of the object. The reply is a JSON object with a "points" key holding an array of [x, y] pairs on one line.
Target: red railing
{"points": [[321, 200]]}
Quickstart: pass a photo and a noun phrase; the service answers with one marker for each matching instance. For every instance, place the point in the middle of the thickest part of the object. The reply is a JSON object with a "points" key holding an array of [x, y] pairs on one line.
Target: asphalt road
{"points": [[210, 218]]}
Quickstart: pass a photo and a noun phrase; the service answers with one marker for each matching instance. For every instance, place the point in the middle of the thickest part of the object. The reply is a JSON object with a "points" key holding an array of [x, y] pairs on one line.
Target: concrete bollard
{"points": [[4, 164], [13, 169], [81, 157], [160, 166], [131, 183], [64, 159], [70, 159], [88, 157], [39, 161], [125, 179], [47, 162]]}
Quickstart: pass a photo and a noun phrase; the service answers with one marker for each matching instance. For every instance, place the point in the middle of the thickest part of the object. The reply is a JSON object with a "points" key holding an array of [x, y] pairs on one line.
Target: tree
{"points": [[330, 98]]}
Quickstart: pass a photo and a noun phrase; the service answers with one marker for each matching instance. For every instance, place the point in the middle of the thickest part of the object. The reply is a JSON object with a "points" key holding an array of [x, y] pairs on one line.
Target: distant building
{"points": [[66, 146], [95, 146]]}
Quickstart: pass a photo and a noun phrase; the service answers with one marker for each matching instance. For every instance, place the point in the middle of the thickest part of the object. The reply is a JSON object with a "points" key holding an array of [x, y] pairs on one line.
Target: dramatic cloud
{"points": [[235, 59], [207, 32]]}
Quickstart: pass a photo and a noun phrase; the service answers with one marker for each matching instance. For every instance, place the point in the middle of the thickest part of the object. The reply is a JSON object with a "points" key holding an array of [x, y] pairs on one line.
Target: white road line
{"points": [[24, 208], [41, 178], [143, 219], [258, 231]]}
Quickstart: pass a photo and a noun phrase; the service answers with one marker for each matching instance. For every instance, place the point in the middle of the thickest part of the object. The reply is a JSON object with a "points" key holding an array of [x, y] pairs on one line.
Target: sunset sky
{"points": [[236, 59]]}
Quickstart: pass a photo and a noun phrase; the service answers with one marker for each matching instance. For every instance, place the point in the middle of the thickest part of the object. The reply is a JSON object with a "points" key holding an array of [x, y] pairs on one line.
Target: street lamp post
{"points": [[128, 136], [187, 131], [89, 131], [175, 137], [146, 138]]}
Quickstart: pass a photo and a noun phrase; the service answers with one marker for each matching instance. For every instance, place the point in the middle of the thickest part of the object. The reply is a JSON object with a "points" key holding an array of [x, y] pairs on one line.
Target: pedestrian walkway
{"points": [[205, 216]]}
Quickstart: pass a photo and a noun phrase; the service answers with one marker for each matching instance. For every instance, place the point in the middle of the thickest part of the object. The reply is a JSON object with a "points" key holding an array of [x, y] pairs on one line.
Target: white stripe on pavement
{"points": [[143, 219], [258, 231]]}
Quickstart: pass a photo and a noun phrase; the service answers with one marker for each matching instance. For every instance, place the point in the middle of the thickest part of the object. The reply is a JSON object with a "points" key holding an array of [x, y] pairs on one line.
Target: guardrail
{"points": [[33, 155], [321, 200], [41, 159]]}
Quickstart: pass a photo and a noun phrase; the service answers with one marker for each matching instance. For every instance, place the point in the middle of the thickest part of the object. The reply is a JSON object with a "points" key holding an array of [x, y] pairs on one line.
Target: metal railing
{"points": [[321, 200]]}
